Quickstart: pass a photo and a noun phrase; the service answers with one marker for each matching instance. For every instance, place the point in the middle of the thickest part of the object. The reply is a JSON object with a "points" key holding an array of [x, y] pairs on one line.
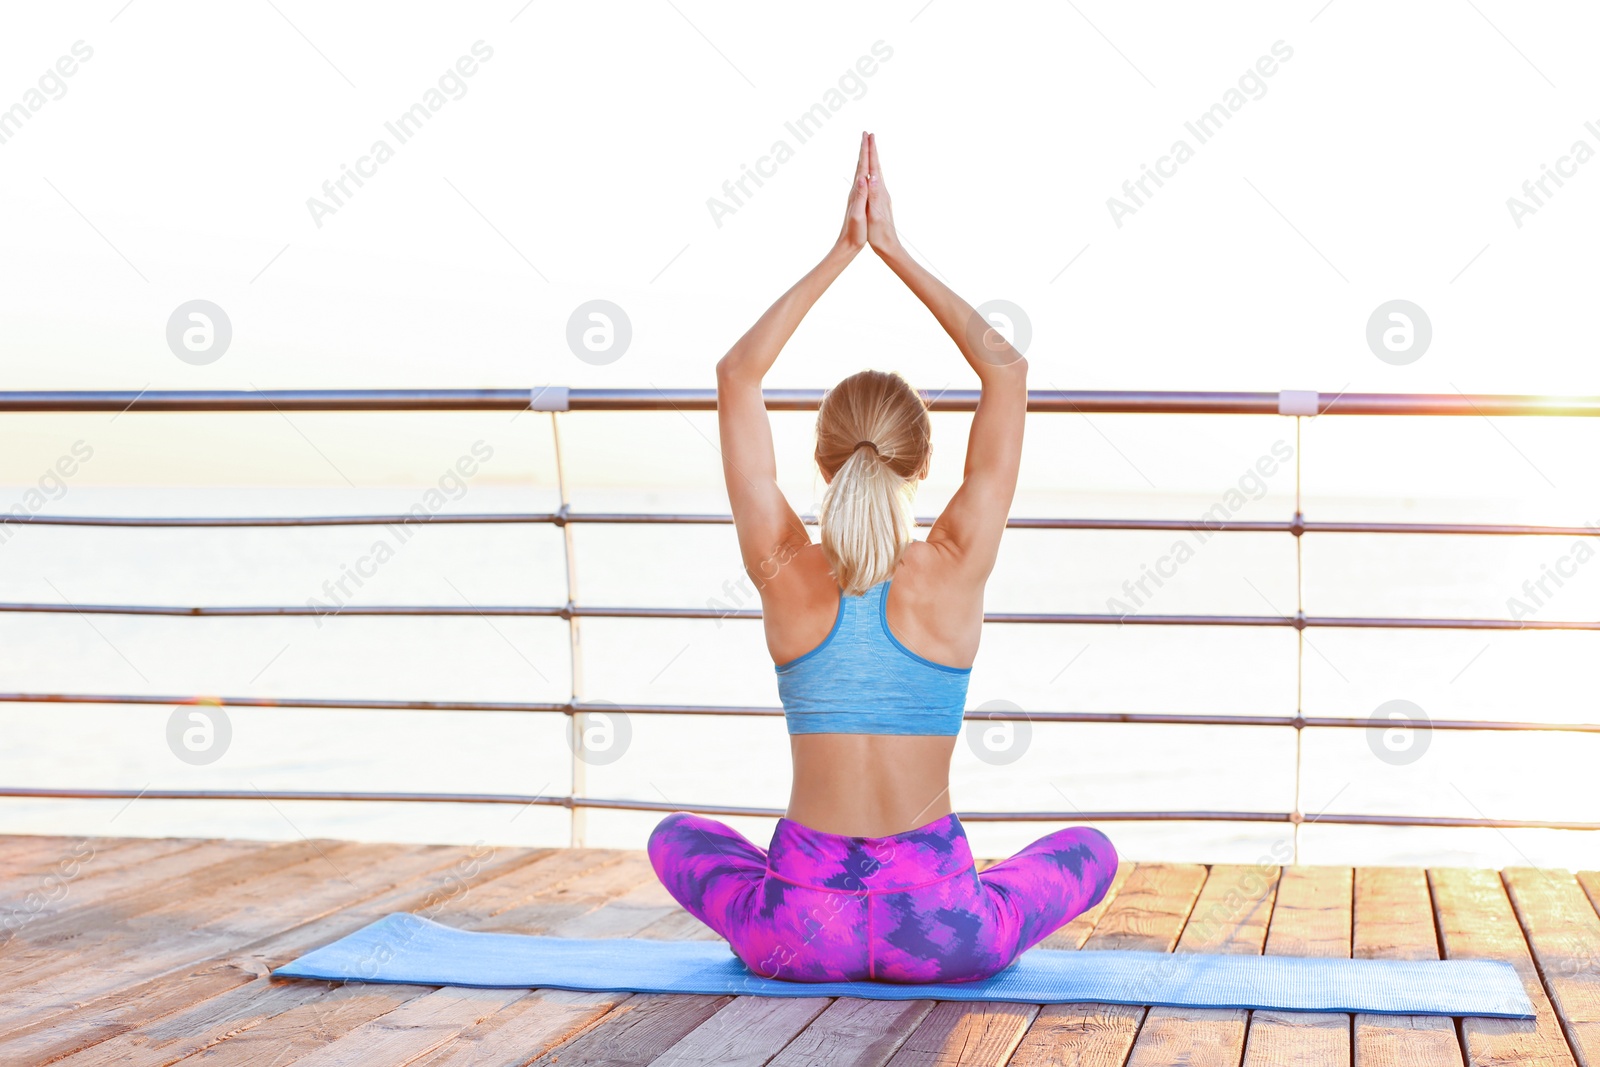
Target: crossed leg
{"points": [[956, 930], [711, 869], [1048, 884]]}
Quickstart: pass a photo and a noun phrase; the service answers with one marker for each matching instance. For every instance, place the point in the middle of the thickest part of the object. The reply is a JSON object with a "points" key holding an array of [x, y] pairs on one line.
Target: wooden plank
{"points": [[44, 884], [1564, 933], [614, 899], [50, 1037], [1148, 913], [966, 1034], [746, 1032], [83, 859], [414, 1029], [567, 905], [315, 1023], [1311, 917], [92, 873], [58, 954], [111, 871], [1590, 880], [854, 1033], [30, 853], [677, 925], [1394, 920], [1230, 917], [418, 1028], [635, 1032], [182, 931], [169, 1040], [210, 868], [435, 874], [1475, 921], [619, 901], [529, 1027], [79, 1022]]}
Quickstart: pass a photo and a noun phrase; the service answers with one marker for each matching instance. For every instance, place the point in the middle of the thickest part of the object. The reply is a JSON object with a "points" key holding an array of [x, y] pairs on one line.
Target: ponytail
{"points": [[873, 432]]}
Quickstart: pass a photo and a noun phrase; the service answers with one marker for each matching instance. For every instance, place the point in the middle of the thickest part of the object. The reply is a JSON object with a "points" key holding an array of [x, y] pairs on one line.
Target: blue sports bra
{"points": [[862, 680]]}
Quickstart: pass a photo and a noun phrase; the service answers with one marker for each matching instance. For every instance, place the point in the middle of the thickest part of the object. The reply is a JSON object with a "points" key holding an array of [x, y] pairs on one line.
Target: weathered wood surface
{"points": [[1476, 921], [1230, 916], [1394, 920], [158, 952], [1311, 917], [1149, 912], [1563, 932]]}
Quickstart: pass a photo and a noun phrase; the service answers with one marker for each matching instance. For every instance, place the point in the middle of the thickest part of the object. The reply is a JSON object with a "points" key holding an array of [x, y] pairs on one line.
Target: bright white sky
{"points": [[1374, 164]]}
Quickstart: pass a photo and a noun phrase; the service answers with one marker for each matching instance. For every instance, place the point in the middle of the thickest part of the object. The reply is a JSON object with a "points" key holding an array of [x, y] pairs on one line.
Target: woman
{"points": [[869, 875]]}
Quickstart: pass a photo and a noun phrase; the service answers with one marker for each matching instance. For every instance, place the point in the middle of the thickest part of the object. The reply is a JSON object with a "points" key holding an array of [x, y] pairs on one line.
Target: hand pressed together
{"points": [[869, 217]]}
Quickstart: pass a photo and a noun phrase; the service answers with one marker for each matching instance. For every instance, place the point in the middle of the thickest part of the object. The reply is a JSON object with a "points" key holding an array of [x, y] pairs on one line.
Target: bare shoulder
{"points": [[935, 604], [933, 575], [799, 600]]}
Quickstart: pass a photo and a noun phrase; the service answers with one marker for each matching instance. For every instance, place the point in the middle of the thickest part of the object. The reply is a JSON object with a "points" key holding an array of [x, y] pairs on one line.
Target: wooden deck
{"points": [[136, 951]]}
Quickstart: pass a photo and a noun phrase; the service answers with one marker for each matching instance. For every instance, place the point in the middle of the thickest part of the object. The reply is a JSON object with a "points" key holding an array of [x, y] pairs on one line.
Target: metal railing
{"points": [[557, 400]]}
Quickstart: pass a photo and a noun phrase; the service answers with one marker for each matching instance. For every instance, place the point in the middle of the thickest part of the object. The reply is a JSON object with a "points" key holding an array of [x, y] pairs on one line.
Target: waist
{"points": [[815, 859], [859, 784]]}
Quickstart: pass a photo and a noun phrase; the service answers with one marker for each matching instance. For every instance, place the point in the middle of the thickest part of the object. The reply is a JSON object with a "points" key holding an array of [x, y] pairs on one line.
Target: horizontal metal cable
{"points": [[571, 611], [560, 398], [560, 518], [605, 804], [754, 711]]}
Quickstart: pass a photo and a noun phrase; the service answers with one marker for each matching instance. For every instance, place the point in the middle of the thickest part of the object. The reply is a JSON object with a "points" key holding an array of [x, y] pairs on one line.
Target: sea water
{"points": [[686, 760]]}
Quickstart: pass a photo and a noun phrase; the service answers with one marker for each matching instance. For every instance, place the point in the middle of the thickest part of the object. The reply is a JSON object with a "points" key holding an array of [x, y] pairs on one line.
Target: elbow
{"points": [[1012, 371], [729, 371]]}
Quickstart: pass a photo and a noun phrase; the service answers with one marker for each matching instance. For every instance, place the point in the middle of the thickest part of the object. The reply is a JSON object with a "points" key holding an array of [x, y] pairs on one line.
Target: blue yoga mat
{"points": [[416, 951]]}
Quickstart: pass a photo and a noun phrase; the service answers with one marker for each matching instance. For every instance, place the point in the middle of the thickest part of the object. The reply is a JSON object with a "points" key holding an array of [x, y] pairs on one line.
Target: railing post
{"points": [[1299, 640], [578, 827]]}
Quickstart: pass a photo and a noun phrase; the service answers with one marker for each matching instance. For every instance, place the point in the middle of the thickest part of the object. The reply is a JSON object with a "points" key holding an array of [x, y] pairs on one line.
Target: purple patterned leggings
{"points": [[816, 907]]}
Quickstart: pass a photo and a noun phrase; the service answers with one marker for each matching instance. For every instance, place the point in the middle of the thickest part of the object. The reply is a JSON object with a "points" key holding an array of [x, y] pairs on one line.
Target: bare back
{"points": [[874, 785]]}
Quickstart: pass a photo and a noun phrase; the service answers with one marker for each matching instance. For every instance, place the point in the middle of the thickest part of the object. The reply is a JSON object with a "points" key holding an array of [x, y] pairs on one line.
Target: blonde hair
{"points": [[873, 441]]}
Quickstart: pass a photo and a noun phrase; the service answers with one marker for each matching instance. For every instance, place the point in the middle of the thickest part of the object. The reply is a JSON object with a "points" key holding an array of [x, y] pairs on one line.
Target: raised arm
{"points": [[970, 526], [767, 526]]}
